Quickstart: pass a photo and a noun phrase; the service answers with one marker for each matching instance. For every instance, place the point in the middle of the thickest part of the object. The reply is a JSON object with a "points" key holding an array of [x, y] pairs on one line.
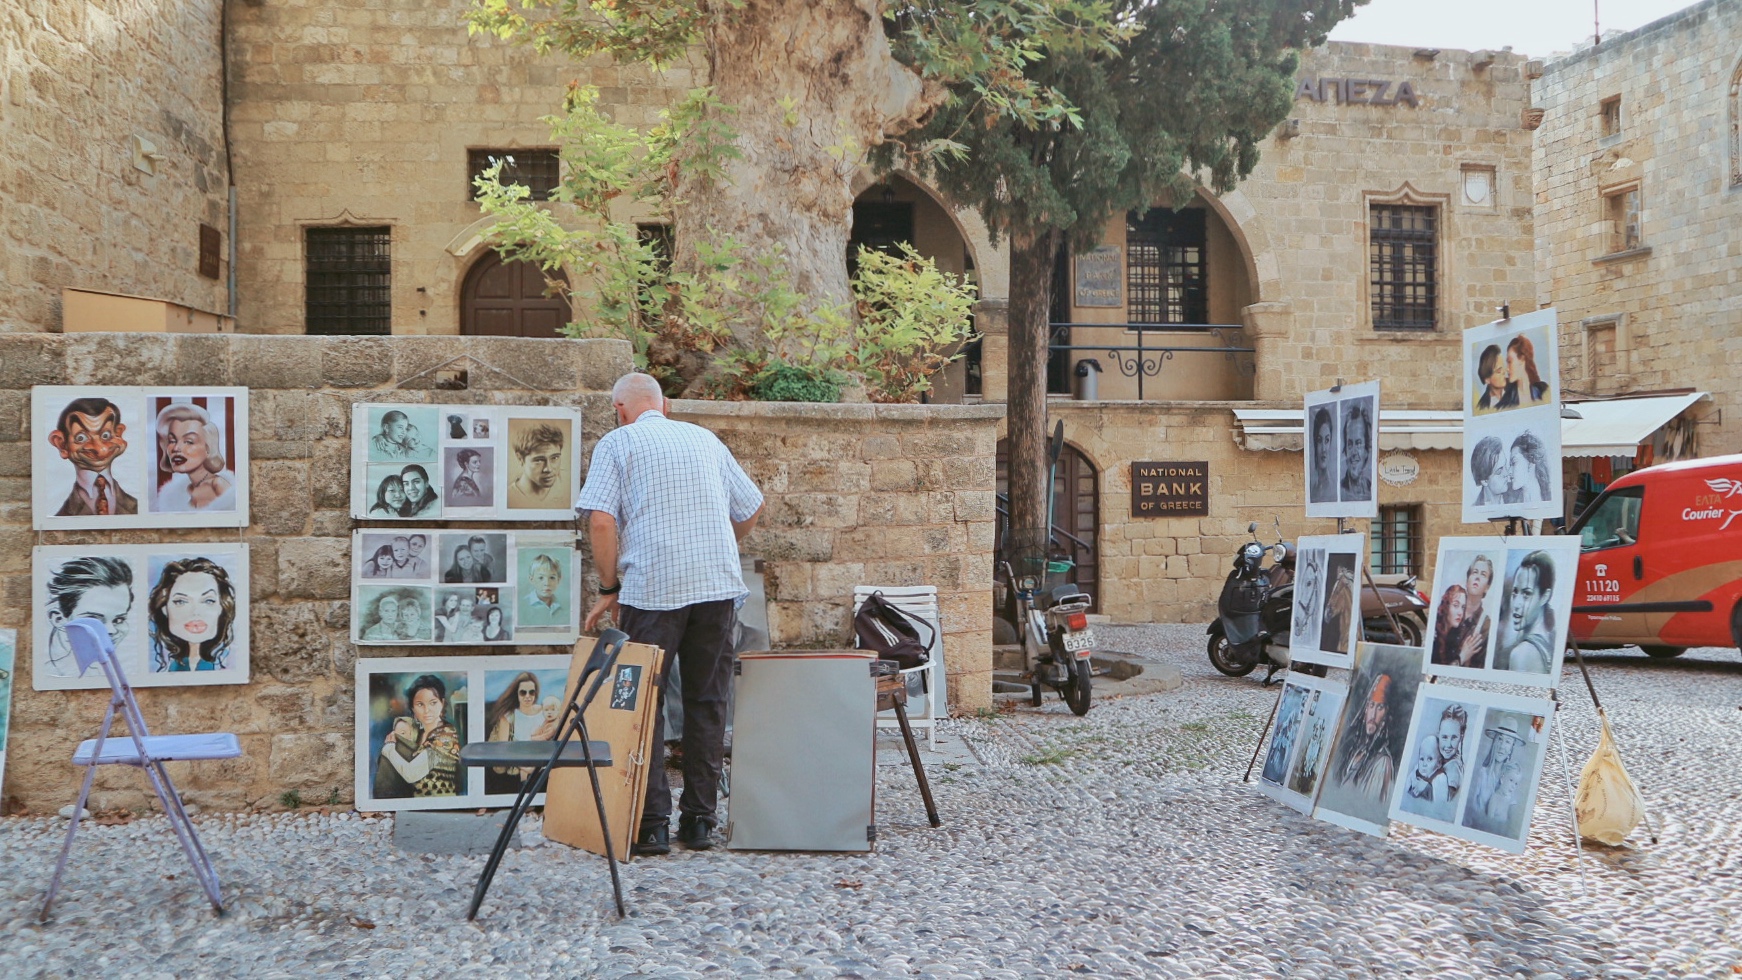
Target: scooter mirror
{"points": [[1252, 528]]}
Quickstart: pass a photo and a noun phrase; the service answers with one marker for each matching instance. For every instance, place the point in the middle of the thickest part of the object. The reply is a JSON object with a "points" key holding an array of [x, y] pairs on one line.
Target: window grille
{"points": [[348, 281], [1396, 545], [1402, 246], [540, 171], [1165, 277]]}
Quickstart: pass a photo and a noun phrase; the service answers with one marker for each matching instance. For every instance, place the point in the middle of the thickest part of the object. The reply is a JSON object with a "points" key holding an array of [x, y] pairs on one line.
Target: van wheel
{"points": [[1663, 653], [1736, 624]]}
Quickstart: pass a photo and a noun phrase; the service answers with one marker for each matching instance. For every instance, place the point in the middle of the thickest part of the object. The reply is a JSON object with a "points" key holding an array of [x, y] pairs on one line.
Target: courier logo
{"points": [[1602, 571]]}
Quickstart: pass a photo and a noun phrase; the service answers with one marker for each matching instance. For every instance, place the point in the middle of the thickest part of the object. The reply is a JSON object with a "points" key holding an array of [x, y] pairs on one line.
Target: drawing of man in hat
{"points": [[1506, 736]]}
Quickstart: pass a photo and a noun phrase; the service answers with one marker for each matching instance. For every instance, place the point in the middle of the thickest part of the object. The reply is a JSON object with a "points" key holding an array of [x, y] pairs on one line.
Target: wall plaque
{"points": [[1100, 277], [1170, 489], [1399, 469]]}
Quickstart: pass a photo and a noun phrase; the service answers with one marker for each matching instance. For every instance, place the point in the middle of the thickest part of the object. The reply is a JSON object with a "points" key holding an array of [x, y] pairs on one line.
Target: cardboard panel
{"points": [[623, 715]]}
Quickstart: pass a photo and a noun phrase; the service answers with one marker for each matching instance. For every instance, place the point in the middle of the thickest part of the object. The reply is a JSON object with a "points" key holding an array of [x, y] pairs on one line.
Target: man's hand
{"points": [[606, 606]]}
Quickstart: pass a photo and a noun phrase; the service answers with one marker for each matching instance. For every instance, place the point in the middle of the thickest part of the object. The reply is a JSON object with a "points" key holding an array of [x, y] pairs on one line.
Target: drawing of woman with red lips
{"points": [[193, 616]]}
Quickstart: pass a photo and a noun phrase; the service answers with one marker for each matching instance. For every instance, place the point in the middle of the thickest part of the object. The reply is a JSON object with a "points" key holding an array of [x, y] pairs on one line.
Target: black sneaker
{"points": [[695, 832], [654, 840]]}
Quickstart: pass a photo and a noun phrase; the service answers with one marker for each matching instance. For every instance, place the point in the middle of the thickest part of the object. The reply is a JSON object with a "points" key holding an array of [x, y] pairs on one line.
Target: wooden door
{"points": [[507, 299], [1076, 511]]}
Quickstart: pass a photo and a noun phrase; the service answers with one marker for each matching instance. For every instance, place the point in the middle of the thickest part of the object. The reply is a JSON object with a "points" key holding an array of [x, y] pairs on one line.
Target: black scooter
{"points": [[1256, 610]]}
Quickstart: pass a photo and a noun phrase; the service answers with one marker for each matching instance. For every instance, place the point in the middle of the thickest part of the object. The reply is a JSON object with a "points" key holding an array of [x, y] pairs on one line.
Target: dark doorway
{"points": [[1059, 363], [1166, 279], [1076, 511], [507, 299], [879, 225]]}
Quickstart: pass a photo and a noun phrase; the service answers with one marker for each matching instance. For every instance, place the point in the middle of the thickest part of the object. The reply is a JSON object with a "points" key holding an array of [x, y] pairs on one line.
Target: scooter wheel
{"points": [[1222, 658]]}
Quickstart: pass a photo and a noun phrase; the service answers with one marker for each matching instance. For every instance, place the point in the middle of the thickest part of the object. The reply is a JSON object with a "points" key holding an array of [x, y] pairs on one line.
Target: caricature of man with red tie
{"points": [[89, 434]]}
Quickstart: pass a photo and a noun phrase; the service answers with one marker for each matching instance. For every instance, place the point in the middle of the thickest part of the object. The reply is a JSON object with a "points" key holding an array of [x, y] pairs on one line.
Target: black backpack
{"points": [[879, 625]]}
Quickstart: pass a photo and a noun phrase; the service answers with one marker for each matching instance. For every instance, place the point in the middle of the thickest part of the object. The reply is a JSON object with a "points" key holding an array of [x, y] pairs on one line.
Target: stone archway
{"points": [[1076, 511]]}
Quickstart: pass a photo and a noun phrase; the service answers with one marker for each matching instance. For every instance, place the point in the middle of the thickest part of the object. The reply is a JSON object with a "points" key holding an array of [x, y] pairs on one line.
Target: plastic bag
{"points": [[1608, 805]]}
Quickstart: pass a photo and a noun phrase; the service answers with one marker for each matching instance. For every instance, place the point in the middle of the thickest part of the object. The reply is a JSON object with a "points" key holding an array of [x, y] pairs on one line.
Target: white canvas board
{"points": [[1512, 465], [1300, 741], [1512, 365], [8, 671], [1473, 764], [121, 457], [413, 714], [423, 586], [1341, 441], [1355, 790], [1332, 593], [1517, 632], [178, 612], [464, 462]]}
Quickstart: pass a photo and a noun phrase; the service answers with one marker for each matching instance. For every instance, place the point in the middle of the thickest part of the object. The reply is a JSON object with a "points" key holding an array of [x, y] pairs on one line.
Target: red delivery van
{"points": [[1664, 533]]}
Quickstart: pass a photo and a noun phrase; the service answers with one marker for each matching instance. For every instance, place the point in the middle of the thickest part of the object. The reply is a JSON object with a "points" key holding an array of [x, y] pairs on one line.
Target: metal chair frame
{"points": [[598, 667], [91, 644]]}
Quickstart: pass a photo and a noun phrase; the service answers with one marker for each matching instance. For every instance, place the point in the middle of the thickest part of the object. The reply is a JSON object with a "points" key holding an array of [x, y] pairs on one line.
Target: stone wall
{"points": [[78, 81], [1667, 314], [855, 493], [1171, 569]]}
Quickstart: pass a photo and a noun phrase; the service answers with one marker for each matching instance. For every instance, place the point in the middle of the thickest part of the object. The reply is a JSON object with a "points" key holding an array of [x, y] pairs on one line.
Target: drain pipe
{"points": [[229, 162]]}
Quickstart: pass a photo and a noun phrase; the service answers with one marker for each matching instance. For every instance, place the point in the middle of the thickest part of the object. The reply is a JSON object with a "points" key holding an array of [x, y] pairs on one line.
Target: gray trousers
{"points": [[697, 640]]}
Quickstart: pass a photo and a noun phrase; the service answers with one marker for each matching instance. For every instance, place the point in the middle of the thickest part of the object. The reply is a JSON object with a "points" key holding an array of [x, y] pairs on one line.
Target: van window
{"points": [[1613, 522]]}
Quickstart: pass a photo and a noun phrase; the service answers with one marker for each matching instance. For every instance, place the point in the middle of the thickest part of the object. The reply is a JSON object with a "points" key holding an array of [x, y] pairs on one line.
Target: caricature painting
{"points": [[138, 457]]}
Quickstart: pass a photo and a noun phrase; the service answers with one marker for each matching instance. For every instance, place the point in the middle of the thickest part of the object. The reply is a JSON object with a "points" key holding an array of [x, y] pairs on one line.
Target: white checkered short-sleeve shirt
{"points": [[674, 490]]}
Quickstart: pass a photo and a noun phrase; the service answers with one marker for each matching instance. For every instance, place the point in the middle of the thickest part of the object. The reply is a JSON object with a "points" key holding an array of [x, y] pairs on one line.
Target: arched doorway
{"points": [[507, 299], [1076, 513]]}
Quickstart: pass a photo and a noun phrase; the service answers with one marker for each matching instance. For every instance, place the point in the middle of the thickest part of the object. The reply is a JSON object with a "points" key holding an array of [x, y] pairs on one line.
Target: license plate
{"points": [[1079, 642]]}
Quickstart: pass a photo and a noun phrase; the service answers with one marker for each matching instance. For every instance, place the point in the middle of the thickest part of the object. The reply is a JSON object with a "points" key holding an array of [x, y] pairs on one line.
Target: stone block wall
{"points": [[898, 494], [1668, 314], [871, 495], [78, 81]]}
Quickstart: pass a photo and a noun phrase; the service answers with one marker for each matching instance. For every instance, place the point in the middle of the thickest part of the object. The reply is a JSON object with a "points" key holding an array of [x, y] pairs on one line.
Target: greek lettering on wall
{"points": [[1353, 91], [1100, 277]]}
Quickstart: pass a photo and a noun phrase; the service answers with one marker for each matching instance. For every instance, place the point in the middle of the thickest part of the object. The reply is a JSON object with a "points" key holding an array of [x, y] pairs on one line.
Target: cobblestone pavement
{"points": [[1122, 843]]}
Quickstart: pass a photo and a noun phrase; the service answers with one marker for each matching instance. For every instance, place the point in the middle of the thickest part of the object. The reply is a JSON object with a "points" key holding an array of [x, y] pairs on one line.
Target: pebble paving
{"points": [[1119, 844]]}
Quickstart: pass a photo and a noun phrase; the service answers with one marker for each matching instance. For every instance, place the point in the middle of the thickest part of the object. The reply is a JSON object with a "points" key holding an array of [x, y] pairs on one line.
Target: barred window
{"points": [[1401, 244], [1165, 278], [1396, 545], [537, 170], [348, 281]]}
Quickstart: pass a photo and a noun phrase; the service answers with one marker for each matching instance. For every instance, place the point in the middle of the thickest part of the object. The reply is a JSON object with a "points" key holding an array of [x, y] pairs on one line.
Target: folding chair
{"points": [[547, 755], [91, 645]]}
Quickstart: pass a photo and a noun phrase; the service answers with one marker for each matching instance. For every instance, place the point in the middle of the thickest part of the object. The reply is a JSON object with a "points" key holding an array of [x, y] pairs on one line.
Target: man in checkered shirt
{"points": [[668, 505]]}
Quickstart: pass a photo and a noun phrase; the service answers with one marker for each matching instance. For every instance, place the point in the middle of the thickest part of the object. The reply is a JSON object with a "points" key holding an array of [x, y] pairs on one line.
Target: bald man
{"points": [[667, 505]]}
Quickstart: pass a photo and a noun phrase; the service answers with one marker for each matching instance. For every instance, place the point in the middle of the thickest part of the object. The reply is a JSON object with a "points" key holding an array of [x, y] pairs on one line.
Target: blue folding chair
{"points": [[91, 644], [563, 752]]}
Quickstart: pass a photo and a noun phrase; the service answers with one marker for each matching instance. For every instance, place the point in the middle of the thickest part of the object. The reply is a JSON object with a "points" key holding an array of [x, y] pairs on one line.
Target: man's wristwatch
{"points": [[613, 590]]}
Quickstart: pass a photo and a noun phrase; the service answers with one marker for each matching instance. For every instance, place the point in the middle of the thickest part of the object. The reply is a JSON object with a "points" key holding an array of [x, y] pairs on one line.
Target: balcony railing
{"points": [[1145, 360]]}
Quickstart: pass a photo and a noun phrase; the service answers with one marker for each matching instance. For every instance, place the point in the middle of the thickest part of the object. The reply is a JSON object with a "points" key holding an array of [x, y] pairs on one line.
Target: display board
{"points": [[1500, 608], [1512, 419], [177, 611], [121, 457], [1473, 765], [445, 587], [1355, 792], [1326, 620], [464, 462], [8, 671], [622, 714], [1342, 451], [1300, 739], [414, 714]]}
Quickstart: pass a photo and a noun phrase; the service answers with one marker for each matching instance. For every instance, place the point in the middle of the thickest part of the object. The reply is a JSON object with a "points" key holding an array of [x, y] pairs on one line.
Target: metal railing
{"points": [[1142, 360]]}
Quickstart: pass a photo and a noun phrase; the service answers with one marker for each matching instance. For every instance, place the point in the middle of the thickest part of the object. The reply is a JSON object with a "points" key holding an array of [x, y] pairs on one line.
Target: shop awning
{"points": [[1616, 427], [1280, 429], [1610, 427]]}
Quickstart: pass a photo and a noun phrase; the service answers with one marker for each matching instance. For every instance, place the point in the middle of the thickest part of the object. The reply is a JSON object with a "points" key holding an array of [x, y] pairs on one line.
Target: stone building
{"points": [[1638, 174]]}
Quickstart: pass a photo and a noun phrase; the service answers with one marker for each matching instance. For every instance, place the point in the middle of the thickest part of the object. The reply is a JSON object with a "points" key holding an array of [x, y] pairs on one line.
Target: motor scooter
{"points": [[1256, 609], [1056, 639]]}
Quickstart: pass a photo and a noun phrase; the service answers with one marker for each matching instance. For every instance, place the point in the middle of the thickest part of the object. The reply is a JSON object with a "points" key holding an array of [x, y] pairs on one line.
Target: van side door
{"points": [[1612, 568]]}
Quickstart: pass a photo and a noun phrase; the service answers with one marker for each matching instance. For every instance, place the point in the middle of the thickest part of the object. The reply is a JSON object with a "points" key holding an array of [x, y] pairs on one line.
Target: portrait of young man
{"points": [[97, 588], [538, 464]]}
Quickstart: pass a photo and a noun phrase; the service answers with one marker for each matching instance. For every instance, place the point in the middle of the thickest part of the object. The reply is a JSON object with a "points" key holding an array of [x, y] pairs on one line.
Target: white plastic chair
{"points": [[927, 701], [91, 645]]}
